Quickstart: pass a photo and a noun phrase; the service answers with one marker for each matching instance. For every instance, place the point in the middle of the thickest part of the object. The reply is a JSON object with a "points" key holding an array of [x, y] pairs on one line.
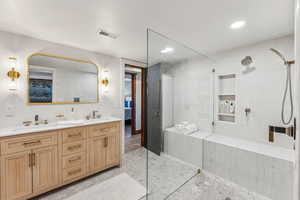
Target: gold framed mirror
{"points": [[55, 79]]}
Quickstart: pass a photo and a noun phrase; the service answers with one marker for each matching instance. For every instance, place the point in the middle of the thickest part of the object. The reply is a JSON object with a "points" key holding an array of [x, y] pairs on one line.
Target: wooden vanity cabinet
{"points": [[104, 146], [29, 165], [44, 168], [32, 164], [16, 176]]}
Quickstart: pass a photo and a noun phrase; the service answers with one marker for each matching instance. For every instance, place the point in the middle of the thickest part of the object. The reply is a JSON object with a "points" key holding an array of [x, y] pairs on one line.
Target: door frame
{"points": [[133, 100], [133, 111]]}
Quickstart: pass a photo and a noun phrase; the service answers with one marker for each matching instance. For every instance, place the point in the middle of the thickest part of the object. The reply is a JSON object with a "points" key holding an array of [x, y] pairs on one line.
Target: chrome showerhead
{"points": [[247, 62], [279, 54]]}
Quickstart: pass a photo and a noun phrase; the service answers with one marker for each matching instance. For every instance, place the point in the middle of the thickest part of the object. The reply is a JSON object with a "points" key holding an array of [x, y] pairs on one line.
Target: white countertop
{"points": [[53, 126]]}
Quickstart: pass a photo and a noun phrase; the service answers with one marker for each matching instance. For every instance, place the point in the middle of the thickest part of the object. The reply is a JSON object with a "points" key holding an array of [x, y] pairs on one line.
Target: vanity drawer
{"points": [[73, 134], [74, 147], [74, 172], [24, 143], [103, 129], [74, 160]]}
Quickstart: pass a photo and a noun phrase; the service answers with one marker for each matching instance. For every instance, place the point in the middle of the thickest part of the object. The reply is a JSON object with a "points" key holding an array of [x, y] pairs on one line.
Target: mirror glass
{"points": [[60, 80]]}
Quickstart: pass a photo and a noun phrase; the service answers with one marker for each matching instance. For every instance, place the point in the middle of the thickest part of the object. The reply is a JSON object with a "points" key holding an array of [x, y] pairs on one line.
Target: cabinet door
{"points": [[97, 154], [113, 150], [45, 168], [16, 176]]}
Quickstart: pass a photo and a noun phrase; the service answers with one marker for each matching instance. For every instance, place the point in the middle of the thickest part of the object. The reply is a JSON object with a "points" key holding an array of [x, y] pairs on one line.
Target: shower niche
{"points": [[226, 98]]}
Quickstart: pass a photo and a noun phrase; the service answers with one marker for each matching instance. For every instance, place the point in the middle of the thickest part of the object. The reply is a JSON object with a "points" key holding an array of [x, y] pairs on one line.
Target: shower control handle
{"points": [[247, 111]]}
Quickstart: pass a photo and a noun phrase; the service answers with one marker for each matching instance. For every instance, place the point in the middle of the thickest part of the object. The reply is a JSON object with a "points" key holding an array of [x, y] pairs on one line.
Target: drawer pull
{"points": [[32, 143], [74, 147], [33, 159], [74, 159], [74, 172], [30, 160], [74, 135], [106, 142]]}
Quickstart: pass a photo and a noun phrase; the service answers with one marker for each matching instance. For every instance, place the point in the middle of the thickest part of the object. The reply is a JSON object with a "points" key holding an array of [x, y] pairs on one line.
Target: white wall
{"points": [[167, 101], [138, 92], [14, 108]]}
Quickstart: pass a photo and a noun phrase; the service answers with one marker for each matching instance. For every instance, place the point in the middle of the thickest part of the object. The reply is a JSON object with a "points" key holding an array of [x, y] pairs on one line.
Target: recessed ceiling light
{"points": [[238, 24], [167, 50]]}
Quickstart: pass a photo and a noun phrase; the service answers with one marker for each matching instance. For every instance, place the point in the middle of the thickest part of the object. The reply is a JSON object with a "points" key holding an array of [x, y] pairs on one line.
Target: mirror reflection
{"points": [[60, 80]]}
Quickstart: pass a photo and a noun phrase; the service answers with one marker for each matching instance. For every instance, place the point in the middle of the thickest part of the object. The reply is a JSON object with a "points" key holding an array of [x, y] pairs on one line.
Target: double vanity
{"points": [[37, 159]]}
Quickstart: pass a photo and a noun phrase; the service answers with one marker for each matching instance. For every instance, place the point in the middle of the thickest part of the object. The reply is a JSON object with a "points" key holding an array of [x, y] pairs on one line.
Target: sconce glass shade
{"points": [[13, 74], [12, 62], [12, 86], [105, 80]]}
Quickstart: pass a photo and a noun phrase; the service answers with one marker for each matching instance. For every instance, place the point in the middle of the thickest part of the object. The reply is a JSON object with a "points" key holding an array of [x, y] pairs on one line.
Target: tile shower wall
{"points": [[192, 92], [14, 108], [261, 90]]}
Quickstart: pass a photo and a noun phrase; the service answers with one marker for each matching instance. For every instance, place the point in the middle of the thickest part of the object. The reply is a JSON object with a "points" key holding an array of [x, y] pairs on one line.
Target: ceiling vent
{"points": [[107, 34]]}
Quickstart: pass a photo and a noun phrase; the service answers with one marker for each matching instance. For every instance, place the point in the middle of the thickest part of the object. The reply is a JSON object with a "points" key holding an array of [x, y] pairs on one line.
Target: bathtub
{"points": [[261, 168], [185, 145]]}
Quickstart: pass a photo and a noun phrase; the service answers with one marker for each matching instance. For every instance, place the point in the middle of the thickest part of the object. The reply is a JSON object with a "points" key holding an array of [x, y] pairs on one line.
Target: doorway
{"points": [[134, 107]]}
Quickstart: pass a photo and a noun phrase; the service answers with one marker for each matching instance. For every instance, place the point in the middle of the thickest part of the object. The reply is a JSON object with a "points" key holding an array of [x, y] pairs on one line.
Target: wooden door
{"points": [[16, 176], [113, 150], [45, 168], [97, 153]]}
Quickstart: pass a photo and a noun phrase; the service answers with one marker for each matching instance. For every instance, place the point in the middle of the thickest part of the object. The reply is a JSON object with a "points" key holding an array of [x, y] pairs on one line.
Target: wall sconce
{"points": [[13, 74], [105, 80]]}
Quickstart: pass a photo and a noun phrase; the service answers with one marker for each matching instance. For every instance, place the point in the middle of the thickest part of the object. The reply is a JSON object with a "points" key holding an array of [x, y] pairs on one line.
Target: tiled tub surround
{"points": [[187, 146], [260, 168]]}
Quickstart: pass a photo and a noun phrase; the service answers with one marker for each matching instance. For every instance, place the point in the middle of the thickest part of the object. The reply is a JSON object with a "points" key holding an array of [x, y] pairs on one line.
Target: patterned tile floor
{"points": [[132, 142], [166, 177]]}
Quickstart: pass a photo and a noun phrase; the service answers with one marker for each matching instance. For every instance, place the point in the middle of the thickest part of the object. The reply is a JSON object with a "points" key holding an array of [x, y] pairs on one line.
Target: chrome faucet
{"points": [[36, 119], [94, 114]]}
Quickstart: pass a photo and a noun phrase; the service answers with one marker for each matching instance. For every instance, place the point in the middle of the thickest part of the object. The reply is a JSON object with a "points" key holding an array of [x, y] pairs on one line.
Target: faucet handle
{"points": [[27, 123], [88, 117]]}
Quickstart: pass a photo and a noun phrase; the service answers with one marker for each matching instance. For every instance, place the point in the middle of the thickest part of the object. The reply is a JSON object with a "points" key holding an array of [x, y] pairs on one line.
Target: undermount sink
{"points": [[71, 122], [21, 128], [55, 124]]}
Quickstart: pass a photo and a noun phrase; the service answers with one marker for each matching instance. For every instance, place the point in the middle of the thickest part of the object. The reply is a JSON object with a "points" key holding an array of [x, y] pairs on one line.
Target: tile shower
{"points": [[216, 118]]}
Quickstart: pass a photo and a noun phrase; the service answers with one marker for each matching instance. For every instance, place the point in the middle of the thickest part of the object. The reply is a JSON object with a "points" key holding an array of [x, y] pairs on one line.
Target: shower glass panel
{"points": [[221, 129], [179, 113]]}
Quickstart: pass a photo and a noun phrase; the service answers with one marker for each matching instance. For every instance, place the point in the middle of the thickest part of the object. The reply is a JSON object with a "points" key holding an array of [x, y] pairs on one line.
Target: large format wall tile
{"points": [[266, 175]]}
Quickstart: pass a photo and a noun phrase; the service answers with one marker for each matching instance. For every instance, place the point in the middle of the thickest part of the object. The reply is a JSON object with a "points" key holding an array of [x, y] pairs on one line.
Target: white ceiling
{"points": [[200, 24]]}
